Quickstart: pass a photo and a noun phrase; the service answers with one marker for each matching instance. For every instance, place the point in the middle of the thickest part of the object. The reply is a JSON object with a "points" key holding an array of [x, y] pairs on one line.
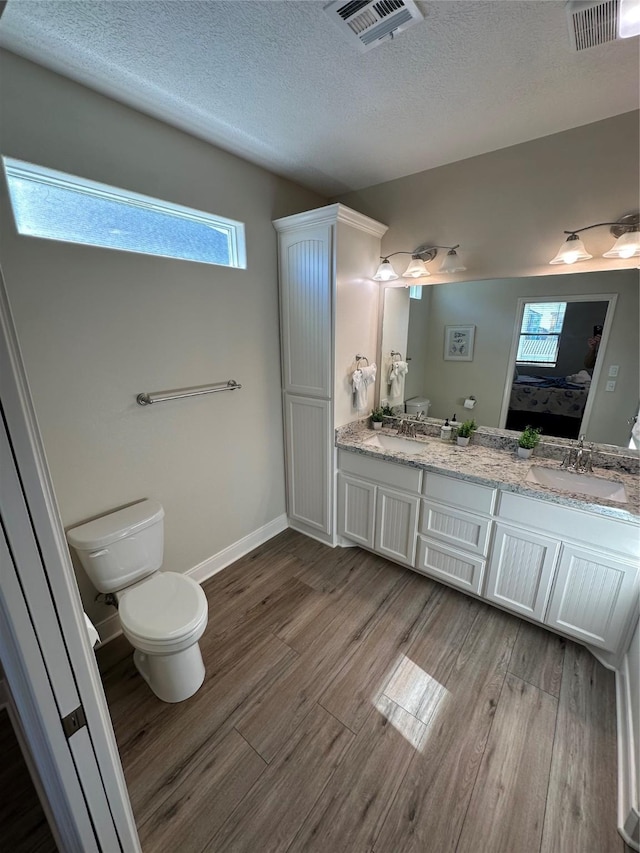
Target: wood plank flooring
{"points": [[352, 705]]}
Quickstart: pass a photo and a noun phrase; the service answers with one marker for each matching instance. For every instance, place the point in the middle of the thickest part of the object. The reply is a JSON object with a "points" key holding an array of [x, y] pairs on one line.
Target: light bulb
{"points": [[385, 272], [626, 246], [572, 250], [629, 19], [416, 269]]}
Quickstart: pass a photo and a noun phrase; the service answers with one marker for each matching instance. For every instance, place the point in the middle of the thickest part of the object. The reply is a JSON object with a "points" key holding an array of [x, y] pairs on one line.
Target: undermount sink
{"points": [[581, 484], [396, 442]]}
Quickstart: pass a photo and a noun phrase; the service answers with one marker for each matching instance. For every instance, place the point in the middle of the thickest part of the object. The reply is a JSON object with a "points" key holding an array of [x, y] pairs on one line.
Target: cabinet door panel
{"points": [[356, 509], [456, 527], [446, 564], [305, 296], [396, 525], [593, 597], [521, 570], [309, 433]]}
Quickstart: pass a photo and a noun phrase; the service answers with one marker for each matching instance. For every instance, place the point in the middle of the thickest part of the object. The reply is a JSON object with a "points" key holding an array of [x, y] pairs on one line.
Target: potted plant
{"points": [[527, 441], [377, 416], [465, 431]]}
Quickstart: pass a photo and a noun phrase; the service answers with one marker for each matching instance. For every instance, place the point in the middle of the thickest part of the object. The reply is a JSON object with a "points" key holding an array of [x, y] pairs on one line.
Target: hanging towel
{"points": [[359, 390], [398, 370], [369, 374]]}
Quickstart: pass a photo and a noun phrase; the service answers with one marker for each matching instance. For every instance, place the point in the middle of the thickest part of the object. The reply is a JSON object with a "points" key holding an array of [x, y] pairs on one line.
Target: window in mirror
{"points": [[415, 291], [540, 333]]}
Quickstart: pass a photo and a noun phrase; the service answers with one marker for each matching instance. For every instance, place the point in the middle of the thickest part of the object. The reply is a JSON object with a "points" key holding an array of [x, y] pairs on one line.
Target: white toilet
{"points": [[163, 614]]}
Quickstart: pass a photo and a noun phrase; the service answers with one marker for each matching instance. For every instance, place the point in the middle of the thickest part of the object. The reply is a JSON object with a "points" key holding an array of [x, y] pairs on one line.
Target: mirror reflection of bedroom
{"points": [[555, 354]]}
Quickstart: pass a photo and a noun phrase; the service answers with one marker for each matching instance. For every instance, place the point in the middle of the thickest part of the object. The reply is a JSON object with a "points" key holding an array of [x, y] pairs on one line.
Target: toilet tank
{"points": [[417, 406], [122, 547]]}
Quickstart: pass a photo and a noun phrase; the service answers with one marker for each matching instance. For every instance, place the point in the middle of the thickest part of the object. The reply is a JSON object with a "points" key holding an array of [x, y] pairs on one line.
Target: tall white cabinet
{"points": [[329, 308]]}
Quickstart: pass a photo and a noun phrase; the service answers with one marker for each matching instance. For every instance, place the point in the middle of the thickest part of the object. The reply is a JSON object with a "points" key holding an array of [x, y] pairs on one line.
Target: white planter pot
{"points": [[525, 452], [461, 441], [377, 424]]}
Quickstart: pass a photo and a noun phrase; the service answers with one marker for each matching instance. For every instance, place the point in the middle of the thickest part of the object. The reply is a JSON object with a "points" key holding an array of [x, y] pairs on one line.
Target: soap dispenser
{"points": [[445, 431]]}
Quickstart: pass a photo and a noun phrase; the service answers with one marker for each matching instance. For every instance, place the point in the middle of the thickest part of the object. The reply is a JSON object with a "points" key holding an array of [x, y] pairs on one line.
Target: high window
{"points": [[540, 333], [57, 206]]}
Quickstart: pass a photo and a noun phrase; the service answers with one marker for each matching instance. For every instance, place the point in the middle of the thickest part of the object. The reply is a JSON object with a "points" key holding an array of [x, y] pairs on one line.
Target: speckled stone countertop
{"points": [[498, 468]]}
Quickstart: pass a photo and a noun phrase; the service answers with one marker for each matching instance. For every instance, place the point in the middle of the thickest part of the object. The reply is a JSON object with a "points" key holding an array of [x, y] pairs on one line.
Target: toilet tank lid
{"points": [[116, 525], [418, 401]]}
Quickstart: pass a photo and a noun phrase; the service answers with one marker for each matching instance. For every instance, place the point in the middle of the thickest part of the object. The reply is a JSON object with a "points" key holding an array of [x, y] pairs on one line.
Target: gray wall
{"points": [[97, 326], [508, 209]]}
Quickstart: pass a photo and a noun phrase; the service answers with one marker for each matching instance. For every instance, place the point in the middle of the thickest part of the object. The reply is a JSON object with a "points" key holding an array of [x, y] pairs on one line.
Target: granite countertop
{"points": [[498, 468]]}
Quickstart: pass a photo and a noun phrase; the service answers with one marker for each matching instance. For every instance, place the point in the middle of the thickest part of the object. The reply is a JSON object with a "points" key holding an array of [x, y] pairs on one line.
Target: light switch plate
{"points": [[610, 386], [613, 370]]}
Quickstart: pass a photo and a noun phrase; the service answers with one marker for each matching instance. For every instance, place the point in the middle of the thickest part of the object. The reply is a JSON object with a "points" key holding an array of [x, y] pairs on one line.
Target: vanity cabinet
{"points": [[521, 570], [591, 596], [395, 527], [328, 314], [541, 560], [454, 535]]}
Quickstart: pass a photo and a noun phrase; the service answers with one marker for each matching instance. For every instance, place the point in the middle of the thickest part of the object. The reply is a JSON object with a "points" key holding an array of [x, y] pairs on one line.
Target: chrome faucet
{"points": [[578, 458], [407, 428]]}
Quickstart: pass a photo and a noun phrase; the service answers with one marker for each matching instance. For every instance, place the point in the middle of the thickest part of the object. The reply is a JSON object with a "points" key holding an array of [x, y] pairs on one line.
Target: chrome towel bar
{"points": [[146, 399]]}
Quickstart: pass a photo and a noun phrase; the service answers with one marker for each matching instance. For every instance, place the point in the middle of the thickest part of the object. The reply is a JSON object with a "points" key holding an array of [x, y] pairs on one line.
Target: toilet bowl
{"points": [[163, 614]]}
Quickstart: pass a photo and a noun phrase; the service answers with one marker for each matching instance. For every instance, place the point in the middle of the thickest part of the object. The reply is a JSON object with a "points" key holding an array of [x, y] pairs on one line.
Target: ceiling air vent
{"points": [[592, 22], [367, 23]]}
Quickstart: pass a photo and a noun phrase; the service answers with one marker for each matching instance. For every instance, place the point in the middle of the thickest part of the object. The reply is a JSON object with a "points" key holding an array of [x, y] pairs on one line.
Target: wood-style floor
{"points": [[353, 705]]}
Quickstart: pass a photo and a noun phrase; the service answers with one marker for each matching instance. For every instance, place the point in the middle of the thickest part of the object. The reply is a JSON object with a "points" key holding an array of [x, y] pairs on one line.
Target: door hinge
{"points": [[74, 721]]}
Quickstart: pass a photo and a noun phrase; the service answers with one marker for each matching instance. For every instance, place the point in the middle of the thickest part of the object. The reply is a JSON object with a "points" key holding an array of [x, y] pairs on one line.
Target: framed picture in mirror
{"points": [[458, 343]]}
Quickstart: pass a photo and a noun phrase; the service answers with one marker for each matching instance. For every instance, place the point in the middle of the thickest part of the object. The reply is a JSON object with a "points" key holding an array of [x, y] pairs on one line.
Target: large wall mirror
{"points": [[561, 352]]}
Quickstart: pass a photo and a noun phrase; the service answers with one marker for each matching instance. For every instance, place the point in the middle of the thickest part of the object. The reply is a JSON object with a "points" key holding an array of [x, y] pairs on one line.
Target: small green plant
{"points": [[529, 438], [387, 411], [466, 429], [377, 415]]}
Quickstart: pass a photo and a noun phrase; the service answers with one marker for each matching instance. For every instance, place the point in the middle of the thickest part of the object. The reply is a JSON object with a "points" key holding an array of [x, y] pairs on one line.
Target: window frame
{"points": [[556, 335], [234, 229]]}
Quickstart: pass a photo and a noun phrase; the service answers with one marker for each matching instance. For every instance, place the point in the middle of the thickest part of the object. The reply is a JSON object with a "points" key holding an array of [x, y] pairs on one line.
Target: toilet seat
{"points": [[165, 613]]}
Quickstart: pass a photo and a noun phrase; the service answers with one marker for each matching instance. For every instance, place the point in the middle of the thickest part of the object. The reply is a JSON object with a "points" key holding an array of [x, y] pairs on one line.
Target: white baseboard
{"points": [[109, 628], [628, 824], [211, 566]]}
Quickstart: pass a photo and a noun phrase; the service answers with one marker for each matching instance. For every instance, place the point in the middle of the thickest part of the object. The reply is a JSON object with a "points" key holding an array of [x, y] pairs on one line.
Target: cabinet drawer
{"points": [[386, 473], [449, 565], [459, 493], [455, 527], [568, 523]]}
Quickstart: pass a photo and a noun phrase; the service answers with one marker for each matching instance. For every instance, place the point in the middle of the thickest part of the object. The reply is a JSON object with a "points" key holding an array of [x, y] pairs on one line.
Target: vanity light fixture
{"points": [[627, 245], [417, 268]]}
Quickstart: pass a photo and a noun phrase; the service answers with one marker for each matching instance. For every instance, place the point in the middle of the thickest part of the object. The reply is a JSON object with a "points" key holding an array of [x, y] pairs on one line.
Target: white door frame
{"points": [[48, 661], [611, 298]]}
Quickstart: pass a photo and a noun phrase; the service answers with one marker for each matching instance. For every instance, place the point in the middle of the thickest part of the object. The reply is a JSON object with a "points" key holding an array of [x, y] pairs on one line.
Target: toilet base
{"points": [[173, 677]]}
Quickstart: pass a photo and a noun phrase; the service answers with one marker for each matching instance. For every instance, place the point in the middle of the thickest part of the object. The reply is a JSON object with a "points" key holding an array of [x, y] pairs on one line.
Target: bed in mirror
{"points": [[560, 352]]}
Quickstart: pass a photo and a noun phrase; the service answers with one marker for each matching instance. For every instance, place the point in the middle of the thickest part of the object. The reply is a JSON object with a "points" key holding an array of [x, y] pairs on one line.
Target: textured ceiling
{"points": [[277, 83]]}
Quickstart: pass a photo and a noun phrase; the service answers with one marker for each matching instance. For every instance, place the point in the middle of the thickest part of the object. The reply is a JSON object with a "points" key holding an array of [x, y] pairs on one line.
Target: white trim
{"points": [[37, 491], [627, 757], [611, 298], [331, 214], [212, 565]]}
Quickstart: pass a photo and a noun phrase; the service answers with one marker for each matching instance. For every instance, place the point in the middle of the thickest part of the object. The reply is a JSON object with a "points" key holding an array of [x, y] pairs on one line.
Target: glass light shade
{"points": [[628, 20], [572, 250], [452, 262], [416, 269], [385, 272], [626, 246]]}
